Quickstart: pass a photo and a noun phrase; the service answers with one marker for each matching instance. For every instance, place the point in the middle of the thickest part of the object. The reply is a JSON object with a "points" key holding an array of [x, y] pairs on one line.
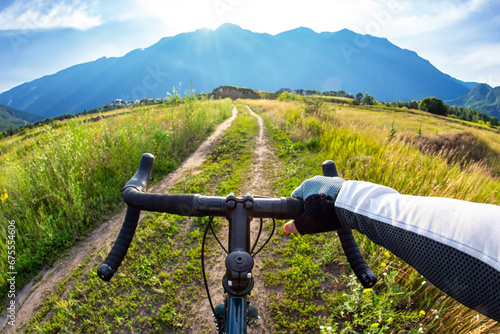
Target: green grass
{"points": [[59, 184], [159, 283], [317, 293]]}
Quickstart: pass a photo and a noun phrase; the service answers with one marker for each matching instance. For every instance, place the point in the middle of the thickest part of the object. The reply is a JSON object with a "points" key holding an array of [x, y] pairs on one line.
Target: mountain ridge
{"points": [[13, 118], [482, 98], [231, 55]]}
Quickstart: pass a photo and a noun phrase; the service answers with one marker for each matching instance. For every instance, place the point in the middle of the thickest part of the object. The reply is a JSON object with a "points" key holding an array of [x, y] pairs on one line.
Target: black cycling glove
{"points": [[319, 194]]}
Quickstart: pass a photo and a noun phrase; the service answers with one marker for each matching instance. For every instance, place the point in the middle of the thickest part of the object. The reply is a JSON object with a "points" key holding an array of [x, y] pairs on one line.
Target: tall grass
{"points": [[60, 183], [159, 285], [431, 128], [402, 300]]}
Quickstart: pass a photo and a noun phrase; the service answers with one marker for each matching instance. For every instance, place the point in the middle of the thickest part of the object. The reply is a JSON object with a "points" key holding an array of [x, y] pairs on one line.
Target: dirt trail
{"points": [[33, 293], [264, 167]]}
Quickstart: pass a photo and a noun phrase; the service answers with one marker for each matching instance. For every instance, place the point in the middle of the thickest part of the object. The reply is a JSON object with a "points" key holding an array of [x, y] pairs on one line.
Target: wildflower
{"points": [[423, 282], [420, 330], [367, 291], [391, 319], [383, 264], [329, 328], [421, 314], [437, 317], [375, 325], [4, 196], [387, 254]]}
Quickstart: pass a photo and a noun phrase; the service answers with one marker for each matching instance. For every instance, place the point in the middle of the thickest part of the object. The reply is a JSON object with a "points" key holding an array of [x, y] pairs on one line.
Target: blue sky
{"points": [[41, 37]]}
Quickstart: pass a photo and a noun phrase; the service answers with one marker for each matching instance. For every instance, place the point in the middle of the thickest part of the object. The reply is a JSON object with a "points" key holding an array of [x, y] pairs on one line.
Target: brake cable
{"points": [[260, 230], [265, 243], [209, 226], [215, 235], [258, 236]]}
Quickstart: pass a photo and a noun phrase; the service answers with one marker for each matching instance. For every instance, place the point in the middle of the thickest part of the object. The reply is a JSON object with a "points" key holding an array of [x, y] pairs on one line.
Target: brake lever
{"points": [[358, 264]]}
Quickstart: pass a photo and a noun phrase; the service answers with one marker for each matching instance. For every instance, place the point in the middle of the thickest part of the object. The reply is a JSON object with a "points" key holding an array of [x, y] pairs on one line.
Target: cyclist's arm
{"points": [[453, 244]]}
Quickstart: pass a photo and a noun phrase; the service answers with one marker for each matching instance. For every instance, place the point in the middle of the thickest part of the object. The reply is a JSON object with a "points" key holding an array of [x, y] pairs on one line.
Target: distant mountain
{"points": [[468, 84], [13, 118], [482, 98], [299, 58]]}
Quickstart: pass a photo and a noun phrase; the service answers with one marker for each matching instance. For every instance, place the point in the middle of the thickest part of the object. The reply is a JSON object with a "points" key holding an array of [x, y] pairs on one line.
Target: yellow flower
{"points": [[391, 319], [4, 196], [387, 254], [421, 313], [367, 291], [383, 264], [375, 325]]}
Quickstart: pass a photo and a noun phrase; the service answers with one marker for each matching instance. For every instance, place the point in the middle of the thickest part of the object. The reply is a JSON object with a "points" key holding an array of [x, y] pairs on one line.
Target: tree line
{"points": [[436, 106], [430, 104]]}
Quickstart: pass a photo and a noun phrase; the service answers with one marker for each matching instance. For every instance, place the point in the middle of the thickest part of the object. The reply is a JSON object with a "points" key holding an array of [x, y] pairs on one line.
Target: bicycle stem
{"points": [[239, 221], [238, 279]]}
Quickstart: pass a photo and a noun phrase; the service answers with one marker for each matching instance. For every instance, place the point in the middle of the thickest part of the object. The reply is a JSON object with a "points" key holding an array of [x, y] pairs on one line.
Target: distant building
{"points": [[287, 90], [120, 103]]}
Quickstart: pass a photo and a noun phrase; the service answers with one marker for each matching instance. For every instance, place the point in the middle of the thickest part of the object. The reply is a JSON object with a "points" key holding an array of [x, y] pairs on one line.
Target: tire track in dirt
{"points": [[263, 168], [34, 292]]}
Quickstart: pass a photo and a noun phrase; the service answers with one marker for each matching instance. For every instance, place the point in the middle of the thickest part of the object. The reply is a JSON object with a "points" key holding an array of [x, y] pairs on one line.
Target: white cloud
{"points": [[481, 56], [40, 15], [422, 18], [181, 16], [414, 18], [481, 63]]}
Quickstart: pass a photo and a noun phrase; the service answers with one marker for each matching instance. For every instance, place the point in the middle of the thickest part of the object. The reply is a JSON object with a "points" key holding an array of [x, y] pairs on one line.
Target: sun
{"points": [[181, 16]]}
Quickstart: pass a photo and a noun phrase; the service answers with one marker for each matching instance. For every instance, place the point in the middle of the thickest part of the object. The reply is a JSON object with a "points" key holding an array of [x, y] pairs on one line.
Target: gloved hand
{"points": [[319, 194]]}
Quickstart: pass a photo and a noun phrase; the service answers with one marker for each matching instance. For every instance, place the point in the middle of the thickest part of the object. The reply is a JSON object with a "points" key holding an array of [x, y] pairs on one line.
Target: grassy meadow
{"points": [[58, 181], [308, 287], [359, 141]]}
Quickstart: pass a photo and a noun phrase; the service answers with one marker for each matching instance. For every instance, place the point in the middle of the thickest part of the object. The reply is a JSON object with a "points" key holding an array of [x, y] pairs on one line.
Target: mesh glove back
{"points": [[319, 194], [329, 186]]}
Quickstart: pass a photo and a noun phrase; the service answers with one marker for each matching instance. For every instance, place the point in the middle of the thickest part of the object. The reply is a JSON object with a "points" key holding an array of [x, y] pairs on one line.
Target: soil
{"points": [[46, 281], [265, 168]]}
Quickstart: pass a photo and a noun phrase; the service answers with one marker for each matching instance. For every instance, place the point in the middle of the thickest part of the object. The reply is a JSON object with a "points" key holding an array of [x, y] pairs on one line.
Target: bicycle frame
{"points": [[236, 314]]}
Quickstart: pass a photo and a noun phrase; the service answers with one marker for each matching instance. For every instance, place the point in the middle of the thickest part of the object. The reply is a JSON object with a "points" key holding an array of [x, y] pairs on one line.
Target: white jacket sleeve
{"points": [[454, 244]]}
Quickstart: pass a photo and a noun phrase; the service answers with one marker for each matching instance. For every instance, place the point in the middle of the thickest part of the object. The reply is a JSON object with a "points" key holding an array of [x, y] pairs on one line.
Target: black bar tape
{"points": [[356, 260], [178, 204], [277, 208], [122, 243], [294, 208]]}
